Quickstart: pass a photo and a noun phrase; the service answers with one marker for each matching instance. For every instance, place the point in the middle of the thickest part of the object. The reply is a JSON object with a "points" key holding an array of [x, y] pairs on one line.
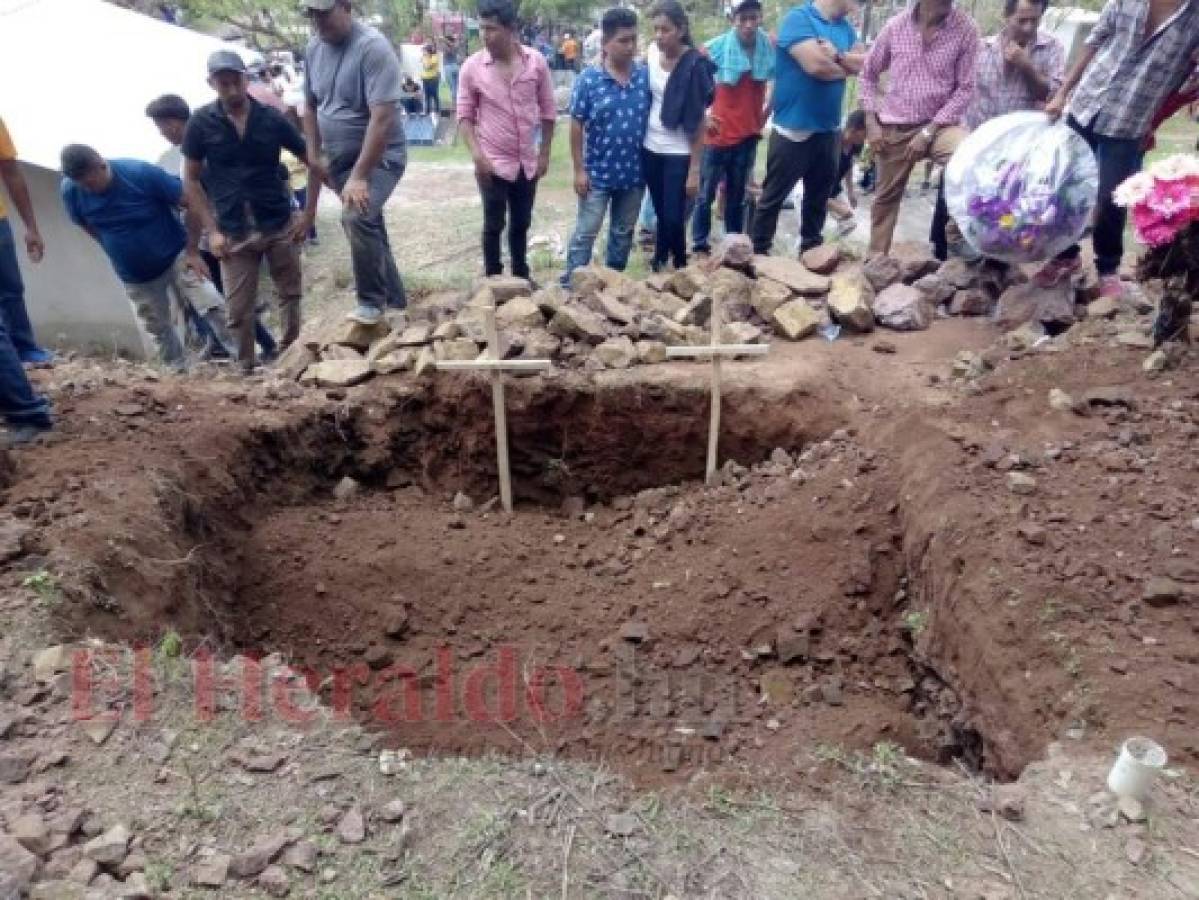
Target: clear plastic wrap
{"points": [[1021, 189]]}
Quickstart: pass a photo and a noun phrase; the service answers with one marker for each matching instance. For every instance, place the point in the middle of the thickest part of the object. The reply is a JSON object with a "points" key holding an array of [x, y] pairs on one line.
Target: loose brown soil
{"points": [[889, 544]]}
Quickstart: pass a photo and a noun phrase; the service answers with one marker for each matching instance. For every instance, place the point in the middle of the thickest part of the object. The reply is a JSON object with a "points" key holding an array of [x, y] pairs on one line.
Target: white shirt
{"points": [[658, 138]]}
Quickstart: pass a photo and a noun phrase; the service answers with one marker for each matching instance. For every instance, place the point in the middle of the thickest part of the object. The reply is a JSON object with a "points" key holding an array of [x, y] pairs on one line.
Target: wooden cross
{"points": [[715, 351], [490, 361]]}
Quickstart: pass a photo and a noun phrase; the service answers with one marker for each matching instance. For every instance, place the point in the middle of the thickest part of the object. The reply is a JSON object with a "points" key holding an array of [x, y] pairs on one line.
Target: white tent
{"points": [[82, 71], [1071, 26]]}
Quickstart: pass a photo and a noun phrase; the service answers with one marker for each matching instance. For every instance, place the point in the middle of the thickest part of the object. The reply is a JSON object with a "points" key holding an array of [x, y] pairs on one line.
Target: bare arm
{"points": [[547, 140], [813, 57], [1057, 105], [582, 182], [312, 140], [697, 155], [18, 190], [196, 201]]}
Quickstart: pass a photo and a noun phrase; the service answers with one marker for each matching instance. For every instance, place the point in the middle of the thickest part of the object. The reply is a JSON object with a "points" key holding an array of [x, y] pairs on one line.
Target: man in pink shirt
{"points": [[929, 52], [504, 96]]}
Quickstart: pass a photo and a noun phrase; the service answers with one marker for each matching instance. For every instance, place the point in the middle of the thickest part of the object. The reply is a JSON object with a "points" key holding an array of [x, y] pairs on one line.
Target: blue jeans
{"points": [[1119, 159], [376, 278], [12, 295], [18, 403], [451, 78], [666, 179], [626, 204], [732, 165]]}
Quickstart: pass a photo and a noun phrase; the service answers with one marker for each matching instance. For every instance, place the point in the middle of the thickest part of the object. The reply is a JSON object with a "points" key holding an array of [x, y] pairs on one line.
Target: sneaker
{"points": [[1057, 270], [21, 435], [38, 357], [1111, 286], [366, 315]]}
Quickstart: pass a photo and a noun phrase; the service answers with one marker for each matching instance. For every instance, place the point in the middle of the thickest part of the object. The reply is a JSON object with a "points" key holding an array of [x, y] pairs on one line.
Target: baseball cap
{"points": [[320, 5], [225, 61], [746, 6]]}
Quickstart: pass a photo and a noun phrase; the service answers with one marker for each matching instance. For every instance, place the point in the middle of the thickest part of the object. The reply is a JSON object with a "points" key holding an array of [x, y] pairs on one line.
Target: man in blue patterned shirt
{"points": [[1139, 52], [609, 110]]}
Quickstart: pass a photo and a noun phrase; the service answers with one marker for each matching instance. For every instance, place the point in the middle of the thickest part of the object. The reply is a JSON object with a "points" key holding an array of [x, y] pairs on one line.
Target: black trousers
{"points": [[511, 202], [788, 162], [666, 180]]}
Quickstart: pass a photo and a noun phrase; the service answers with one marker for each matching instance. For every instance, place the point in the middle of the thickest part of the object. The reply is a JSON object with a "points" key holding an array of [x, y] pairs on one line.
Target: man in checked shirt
{"points": [[929, 53], [1139, 53]]}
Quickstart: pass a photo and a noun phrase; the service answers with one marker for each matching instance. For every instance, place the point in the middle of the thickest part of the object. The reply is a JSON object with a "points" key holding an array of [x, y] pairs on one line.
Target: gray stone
{"points": [[663, 330], [741, 333], [31, 833], [520, 312], [274, 880], [1135, 339], [301, 855], [459, 349], [915, 264], [337, 352], [792, 646], [1103, 308], [822, 260], [47, 663], [959, 273], [688, 282], [1019, 483], [902, 308], [418, 335], [935, 288], [1024, 338], [972, 302], [622, 824], [352, 827], [17, 862], [337, 373], [13, 537], [734, 250], [539, 344], [548, 299], [393, 811], [634, 632], [1132, 809], [615, 309], [346, 489], [359, 336], [882, 271], [792, 274], [617, 353], [211, 871], [61, 890], [83, 871], [734, 292], [109, 848], [394, 362], [504, 287], [1161, 591], [849, 303], [796, 320], [1063, 402], [767, 296], [968, 364], [649, 352], [697, 312], [251, 862], [1157, 361], [575, 321]]}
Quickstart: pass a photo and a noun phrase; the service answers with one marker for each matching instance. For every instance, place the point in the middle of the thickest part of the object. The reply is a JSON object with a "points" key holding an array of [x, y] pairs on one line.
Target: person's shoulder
{"points": [[1045, 39], [963, 20]]}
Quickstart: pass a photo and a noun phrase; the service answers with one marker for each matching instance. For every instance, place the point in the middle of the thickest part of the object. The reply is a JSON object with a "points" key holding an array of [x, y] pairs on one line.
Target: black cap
{"points": [[747, 6], [226, 61]]}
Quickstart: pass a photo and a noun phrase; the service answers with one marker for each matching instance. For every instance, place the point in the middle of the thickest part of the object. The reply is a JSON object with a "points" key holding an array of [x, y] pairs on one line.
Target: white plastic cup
{"points": [[1139, 762]]}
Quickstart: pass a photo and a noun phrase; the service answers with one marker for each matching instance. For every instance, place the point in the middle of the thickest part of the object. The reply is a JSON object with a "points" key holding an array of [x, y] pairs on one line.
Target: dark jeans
{"points": [[511, 201], [936, 232], [814, 162], [18, 403], [262, 335], [12, 295], [666, 179], [1119, 159], [432, 100], [733, 166], [376, 278]]}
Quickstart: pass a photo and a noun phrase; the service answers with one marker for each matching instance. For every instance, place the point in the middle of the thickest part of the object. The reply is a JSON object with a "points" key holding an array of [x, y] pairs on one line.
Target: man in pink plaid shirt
{"points": [[929, 52]]}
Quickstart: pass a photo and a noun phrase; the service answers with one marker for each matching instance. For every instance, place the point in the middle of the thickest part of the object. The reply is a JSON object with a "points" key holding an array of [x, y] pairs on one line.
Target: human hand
{"points": [[34, 246], [318, 168], [874, 134], [301, 227], [692, 187], [543, 165], [195, 264], [712, 124], [918, 146], [1015, 55], [582, 184], [356, 195], [218, 244], [1055, 107], [483, 168]]}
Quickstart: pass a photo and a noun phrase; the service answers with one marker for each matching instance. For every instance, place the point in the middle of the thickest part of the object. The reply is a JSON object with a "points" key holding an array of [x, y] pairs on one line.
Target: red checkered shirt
{"points": [[931, 83], [1001, 89]]}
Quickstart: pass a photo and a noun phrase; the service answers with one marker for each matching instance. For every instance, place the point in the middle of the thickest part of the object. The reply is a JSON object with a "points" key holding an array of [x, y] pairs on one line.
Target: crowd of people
{"points": [[680, 123]]}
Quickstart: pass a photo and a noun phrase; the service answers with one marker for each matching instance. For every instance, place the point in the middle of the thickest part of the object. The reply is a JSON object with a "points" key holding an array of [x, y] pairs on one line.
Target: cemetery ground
{"points": [[260, 639]]}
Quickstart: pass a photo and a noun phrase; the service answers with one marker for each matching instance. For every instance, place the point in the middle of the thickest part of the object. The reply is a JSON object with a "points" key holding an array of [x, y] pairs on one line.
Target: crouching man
{"points": [[132, 208]]}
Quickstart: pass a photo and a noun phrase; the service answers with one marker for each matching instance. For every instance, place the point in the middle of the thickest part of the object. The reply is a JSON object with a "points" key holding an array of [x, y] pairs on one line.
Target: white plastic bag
{"points": [[1020, 189]]}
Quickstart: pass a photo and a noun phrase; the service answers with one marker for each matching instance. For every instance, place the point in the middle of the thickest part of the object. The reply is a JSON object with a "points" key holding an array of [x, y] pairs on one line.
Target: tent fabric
{"points": [[82, 71]]}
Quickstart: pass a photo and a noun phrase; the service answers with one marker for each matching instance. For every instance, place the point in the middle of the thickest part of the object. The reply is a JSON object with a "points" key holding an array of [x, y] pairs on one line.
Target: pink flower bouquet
{"points": [[1163, 200]]}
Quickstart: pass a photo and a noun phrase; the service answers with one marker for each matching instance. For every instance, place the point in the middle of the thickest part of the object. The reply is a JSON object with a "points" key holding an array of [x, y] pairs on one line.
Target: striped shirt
{"points": [[932, 83], [1132, 74], [1001, 89]]}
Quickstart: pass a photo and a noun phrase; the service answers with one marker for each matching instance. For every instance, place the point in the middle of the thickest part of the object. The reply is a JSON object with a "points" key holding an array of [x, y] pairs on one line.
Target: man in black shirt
{"points": [[235, 144]]}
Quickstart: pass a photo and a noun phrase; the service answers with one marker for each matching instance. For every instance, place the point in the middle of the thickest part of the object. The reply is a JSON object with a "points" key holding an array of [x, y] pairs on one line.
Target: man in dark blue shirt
{"points": [[132, 208], [609, 110], [244, 199]]}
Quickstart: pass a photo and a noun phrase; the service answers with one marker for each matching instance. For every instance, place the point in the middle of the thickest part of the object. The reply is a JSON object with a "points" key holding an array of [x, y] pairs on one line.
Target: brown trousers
{"points": [[240, 273], [894, 168]]}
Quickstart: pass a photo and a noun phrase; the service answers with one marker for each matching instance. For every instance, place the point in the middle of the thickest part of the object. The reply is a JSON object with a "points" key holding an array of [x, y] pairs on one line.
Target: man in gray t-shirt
{"points": [[352, 120]]}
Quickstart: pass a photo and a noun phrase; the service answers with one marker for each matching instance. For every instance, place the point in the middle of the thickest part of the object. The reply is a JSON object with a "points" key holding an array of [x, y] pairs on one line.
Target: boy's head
{"points": [[854, 133], [619, 40], [170, 113]]}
